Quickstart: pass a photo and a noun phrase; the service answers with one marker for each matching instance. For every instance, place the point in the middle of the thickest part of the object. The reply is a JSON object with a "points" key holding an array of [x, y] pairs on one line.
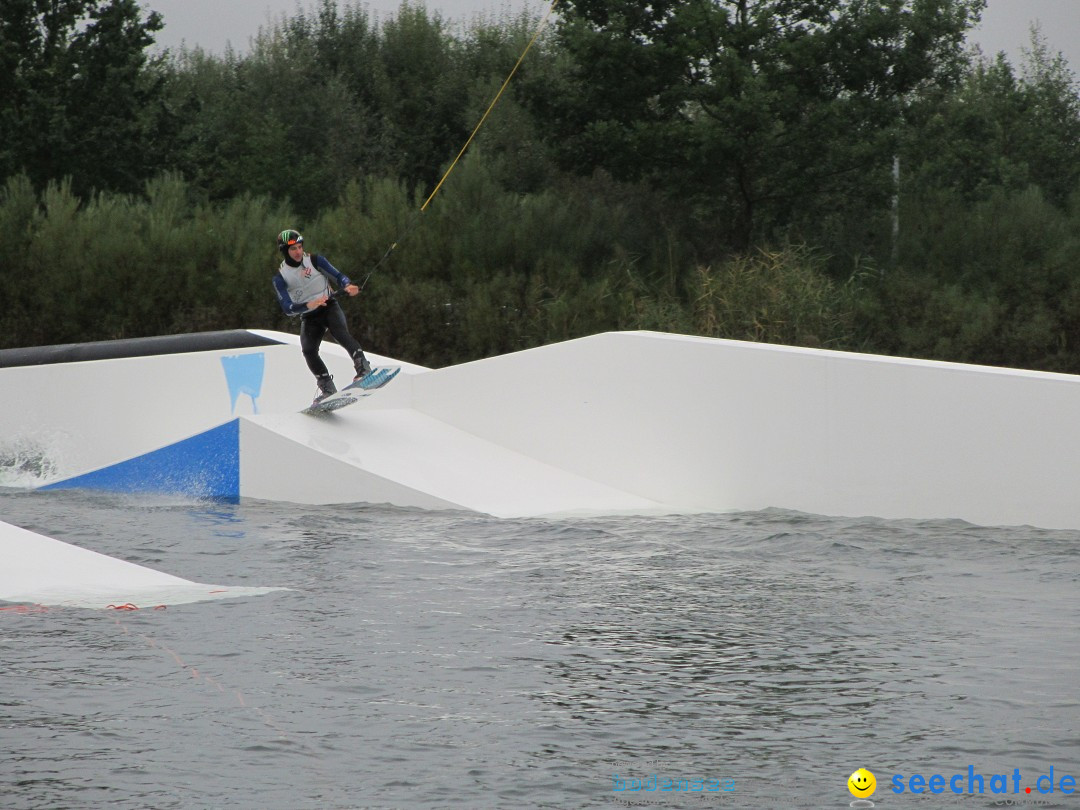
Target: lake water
{"points": [[450, 660]]}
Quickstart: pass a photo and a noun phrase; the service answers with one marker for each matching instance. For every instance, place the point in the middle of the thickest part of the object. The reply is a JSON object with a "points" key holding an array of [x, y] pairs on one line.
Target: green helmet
{"points": [[287, 238]]}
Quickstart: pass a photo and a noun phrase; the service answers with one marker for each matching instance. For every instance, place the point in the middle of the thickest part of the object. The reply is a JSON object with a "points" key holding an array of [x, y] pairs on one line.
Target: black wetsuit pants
{"points": [[313, 326]]}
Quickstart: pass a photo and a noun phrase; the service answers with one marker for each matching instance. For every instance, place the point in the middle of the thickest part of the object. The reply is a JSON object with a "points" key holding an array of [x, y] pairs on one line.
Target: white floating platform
{"points": [[42, 571], [629, 422]]}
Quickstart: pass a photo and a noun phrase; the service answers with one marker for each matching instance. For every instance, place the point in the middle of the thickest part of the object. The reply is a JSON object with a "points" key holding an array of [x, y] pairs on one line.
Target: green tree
{"points": [[1054, 154], [760, 113], [424, 93], [79, 96], [324, 98], [999, 130]]}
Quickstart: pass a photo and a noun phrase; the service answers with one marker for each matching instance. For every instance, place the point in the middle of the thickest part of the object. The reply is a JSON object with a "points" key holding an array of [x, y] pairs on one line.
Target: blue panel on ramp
{"points": [[205, 466], [244, 375]]}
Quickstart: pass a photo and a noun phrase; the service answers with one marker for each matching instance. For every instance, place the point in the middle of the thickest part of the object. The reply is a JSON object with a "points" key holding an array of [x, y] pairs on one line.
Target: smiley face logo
{"points": [[862, 783]]}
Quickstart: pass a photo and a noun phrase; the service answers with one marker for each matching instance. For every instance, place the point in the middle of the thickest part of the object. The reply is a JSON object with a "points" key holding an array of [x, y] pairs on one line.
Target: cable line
{"points": [[416, 215]]}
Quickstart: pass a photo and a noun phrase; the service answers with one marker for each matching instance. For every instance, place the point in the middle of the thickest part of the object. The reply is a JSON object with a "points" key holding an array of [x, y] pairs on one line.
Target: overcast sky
{"points": [[210, 24]]}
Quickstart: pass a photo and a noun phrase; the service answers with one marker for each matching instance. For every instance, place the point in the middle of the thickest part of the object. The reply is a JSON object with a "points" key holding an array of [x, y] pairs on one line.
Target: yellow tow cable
{"points": [[483, 118]]}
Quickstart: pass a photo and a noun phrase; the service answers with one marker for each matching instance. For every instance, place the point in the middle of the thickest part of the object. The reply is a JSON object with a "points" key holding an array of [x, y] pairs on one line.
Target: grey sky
{"points": [[212, 23], [1007, 24]]}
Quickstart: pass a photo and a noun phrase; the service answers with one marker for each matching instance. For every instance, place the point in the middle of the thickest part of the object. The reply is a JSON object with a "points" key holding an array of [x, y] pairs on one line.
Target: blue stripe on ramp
{"points": [[206, 465]]}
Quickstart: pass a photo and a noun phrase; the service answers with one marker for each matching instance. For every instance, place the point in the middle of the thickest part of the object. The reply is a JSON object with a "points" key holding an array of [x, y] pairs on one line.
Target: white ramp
{"points": [[403, 457], [40, 570], [613, 423]]}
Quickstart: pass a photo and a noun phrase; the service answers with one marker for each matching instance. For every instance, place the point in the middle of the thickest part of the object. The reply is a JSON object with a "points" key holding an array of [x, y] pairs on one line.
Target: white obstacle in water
{"points": [[630, 422], [40, 570]]}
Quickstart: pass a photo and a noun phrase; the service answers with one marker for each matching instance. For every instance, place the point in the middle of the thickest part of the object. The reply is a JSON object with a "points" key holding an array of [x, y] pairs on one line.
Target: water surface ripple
{"points": [[449, 660]]}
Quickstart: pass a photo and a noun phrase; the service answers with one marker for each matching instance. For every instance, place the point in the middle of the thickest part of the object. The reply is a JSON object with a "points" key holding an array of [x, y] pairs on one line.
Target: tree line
{"points": [[836, 173]]}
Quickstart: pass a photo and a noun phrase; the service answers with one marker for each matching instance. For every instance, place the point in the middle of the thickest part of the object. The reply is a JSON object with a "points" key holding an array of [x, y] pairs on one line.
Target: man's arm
{"points": [[331, 272]]}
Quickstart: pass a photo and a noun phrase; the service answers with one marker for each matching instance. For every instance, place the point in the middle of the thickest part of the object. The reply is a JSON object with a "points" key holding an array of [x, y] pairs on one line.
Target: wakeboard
{"points": [[364, 387]]}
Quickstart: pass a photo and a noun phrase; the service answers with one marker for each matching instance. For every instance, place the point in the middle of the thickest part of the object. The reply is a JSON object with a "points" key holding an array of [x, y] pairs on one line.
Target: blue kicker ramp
{"points": [[207, 465]]}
